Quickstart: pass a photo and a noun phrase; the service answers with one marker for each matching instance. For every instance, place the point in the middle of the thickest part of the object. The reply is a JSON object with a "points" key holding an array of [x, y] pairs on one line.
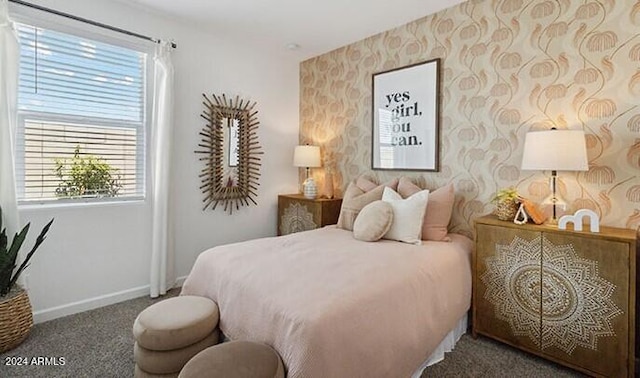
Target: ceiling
{"points": [[317, 26]]}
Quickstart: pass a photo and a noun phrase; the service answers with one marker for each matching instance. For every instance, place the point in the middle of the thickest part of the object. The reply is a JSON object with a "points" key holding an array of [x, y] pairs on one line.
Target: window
{"points": [[81, 110]]}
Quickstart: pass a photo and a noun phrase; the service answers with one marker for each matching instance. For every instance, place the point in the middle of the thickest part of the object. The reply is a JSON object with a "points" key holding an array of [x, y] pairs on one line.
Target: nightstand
{"points": [[567, 296], [297, 213]]}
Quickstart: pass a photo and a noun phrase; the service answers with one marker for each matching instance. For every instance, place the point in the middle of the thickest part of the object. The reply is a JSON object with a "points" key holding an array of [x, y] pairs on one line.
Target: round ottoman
{"points": [[235, 359], [139, 373], [170, 332]]}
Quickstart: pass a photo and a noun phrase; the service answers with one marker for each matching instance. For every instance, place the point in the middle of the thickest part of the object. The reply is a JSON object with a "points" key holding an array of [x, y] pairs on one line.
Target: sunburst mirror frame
{"points": [[239, 189]]}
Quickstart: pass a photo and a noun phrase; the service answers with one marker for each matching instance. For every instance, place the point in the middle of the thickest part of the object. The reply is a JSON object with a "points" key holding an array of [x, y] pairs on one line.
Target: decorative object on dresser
{"points": [[521, 215], [532, 211], [564, 295], [555, 150], [297, 213], [307, 157], [230, 147], [578, 218], [327, 186], [506, 201]]}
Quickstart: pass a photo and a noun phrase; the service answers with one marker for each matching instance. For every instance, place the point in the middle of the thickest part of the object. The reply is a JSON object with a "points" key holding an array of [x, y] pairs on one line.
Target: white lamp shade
{"points": [[555, 150], [306, 156]]}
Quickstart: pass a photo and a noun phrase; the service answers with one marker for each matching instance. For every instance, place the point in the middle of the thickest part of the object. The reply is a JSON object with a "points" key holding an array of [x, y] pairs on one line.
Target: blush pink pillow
{"points": [[354, 200], [439, 209], [367, 185], [359, 194]]}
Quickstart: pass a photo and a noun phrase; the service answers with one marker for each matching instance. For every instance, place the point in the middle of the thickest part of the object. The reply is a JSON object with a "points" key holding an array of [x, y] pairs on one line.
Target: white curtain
{"points": [[162, 277], [9, 61]]}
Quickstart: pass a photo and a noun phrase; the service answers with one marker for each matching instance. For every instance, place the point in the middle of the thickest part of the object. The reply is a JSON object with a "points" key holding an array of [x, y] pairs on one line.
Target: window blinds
{"points": [[78, 97], [65, 74]]}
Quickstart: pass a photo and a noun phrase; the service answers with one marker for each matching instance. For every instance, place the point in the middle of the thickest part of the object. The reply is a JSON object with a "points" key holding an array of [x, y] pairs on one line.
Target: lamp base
{"points": [[554, 199], [310, 189], [558, 208]]}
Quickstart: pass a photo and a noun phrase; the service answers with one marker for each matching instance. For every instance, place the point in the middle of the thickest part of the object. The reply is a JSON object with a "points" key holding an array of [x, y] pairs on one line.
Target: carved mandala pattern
{"points": [[296, 218], [576, 302]]}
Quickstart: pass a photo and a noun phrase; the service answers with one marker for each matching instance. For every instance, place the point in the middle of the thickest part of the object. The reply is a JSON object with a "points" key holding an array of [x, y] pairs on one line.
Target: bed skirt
{"points": [[447, 345]]}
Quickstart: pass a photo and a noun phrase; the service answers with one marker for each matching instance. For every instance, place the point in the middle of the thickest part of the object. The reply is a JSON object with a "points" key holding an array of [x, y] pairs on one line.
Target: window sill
{"points": [[71, 204]]}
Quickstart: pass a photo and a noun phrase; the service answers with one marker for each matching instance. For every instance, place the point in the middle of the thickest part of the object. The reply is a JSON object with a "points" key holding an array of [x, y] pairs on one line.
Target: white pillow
{"points": [[408, 215]]}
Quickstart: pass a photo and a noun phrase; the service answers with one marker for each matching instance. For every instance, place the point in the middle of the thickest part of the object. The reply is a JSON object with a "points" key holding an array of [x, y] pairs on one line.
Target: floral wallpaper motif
{"points": [[508, 66]]}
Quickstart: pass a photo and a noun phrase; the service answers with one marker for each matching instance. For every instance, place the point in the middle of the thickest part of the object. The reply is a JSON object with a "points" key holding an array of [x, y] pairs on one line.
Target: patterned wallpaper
{"points": [[508, 66]]}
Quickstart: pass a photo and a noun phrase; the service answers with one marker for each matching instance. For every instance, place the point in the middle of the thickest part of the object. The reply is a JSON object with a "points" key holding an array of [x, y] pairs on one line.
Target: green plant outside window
{"points": [[86, 176]]}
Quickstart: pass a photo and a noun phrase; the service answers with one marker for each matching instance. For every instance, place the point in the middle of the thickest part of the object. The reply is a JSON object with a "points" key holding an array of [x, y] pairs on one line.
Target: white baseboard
{"points": [[95, 302]]}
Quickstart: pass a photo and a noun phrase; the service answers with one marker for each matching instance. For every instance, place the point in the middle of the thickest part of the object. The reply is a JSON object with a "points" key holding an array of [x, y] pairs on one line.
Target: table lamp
{"points": [[307, 157], [555, 150]]}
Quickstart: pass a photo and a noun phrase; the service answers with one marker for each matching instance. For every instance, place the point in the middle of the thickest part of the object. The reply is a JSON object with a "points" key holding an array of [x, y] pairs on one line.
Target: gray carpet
{"points": [[99, 343]]}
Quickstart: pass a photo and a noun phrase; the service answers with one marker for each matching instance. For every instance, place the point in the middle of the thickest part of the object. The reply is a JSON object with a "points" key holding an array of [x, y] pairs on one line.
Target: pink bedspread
{"points": [[333, 306]]}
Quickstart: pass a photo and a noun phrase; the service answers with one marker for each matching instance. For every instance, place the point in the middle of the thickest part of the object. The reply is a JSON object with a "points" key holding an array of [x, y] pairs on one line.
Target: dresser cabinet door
{"points": [[585, 302], [564, 295], [507, 285], [296, 216]]}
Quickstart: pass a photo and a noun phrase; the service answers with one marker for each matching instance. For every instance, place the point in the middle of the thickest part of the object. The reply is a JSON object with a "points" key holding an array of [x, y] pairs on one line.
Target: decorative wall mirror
{"points": [[230, 147]]}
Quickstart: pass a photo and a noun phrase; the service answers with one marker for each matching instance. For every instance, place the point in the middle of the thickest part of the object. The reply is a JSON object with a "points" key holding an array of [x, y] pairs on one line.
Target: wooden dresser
{"points": [[564, 295], [297, 213]]}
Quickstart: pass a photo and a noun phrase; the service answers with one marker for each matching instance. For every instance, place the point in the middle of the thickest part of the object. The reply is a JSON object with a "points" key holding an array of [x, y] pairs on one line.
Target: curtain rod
{"points": [[90, 22]]}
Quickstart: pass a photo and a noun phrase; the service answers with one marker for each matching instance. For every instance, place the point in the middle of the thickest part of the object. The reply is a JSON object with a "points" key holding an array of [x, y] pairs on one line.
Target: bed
{"points": [[333, 306]]}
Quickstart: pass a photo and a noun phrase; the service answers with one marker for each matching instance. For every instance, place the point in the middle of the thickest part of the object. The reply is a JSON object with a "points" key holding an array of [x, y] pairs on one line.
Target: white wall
{"points": [[99, 254]]}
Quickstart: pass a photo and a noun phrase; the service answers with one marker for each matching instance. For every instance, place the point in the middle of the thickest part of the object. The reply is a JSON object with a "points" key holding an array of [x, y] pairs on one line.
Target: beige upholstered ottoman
{"points": [[170, 332], [235, 359]]}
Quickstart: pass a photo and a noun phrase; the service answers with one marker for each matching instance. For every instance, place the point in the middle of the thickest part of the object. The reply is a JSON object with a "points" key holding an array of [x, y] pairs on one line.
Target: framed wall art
{"points": [[406, 118]]}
